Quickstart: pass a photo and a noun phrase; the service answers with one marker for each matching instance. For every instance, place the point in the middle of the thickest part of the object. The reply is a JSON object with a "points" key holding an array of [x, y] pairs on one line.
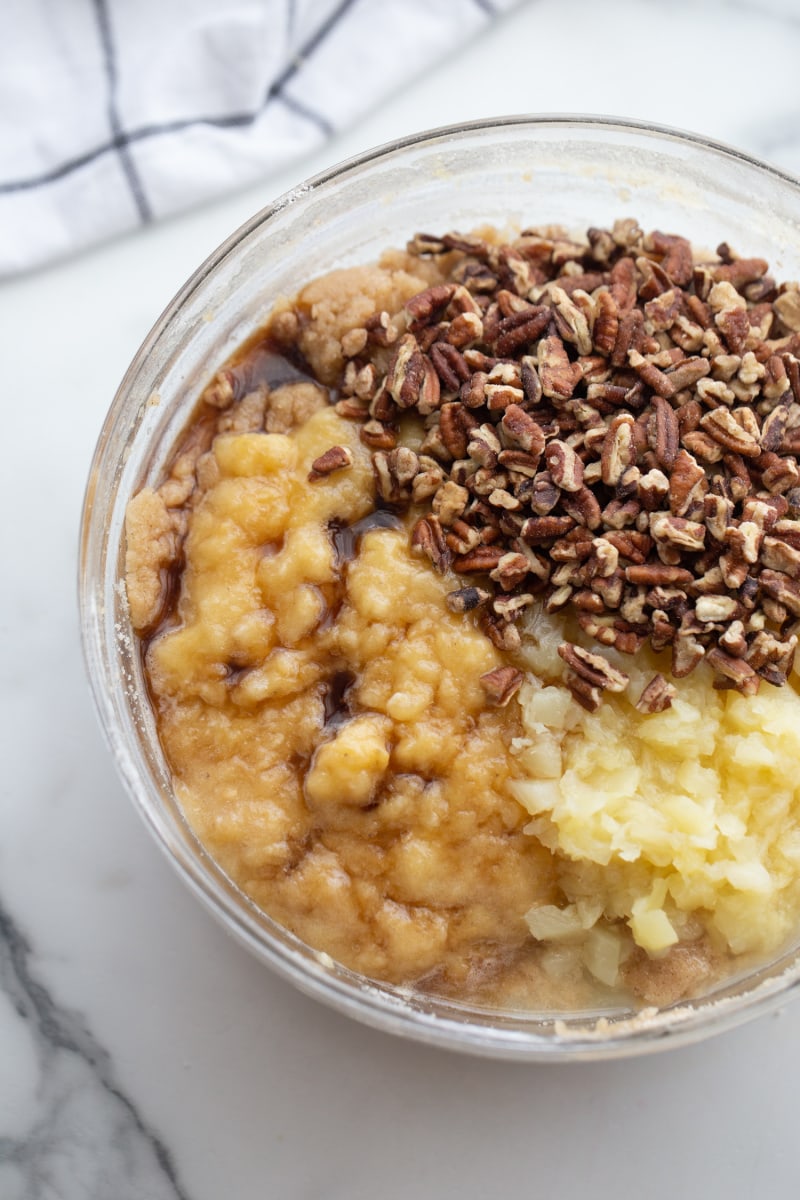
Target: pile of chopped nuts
{"points": [[611, 428]]}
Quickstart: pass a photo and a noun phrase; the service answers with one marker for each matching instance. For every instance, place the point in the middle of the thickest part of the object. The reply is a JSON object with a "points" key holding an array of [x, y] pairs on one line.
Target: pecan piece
{"points": [[667, 433], [678, 531], [606, 324], [564, 466], [619, 450], [449, 502], [537, 530], [394, 474], [450, 365], [501, 684], [503, 634], [657, 696], [559, 377], [522, 430], [734, 641], [734, 671], [482, 558], [723, 427], [777, 422], [593, 668], [335, 459], [429, 304], [687, 652], [780, 556], [521, 329], [703, 446], [716, 608], [687, 483], [658, 574], [511, 570], [717, 514], [377, 436], [466, 599], [464, 330], [780, 587], [781, 474], [771, 658], [455, 424], [585, 693], [427, 538]]}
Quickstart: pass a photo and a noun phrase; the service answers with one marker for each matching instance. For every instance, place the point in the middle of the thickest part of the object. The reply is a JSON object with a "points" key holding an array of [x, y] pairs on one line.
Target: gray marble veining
{"points": [[84, 1138]]}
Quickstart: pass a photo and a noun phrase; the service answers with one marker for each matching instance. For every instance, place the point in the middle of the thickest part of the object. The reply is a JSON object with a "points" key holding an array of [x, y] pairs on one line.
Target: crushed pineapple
{"points": [[661, 817]]}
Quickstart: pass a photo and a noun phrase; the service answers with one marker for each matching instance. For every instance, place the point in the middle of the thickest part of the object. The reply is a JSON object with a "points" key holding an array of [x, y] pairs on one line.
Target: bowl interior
{"points": [[518, 173]]}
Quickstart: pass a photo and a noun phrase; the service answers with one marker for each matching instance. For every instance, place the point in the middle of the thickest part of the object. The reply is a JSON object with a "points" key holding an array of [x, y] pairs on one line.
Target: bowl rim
{"points": [[392, 1010]]}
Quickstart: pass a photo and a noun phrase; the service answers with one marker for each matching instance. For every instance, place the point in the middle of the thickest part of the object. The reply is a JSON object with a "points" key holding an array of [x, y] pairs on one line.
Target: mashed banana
{"points": [[332, 747]]}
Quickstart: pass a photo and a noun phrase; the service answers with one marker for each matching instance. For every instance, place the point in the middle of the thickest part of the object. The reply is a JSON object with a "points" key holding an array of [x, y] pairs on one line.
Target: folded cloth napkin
{"points": [[117, 112]]}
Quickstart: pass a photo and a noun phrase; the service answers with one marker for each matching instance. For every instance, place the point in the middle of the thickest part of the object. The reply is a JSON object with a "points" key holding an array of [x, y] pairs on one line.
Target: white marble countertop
{"points": [[143, 1054]]}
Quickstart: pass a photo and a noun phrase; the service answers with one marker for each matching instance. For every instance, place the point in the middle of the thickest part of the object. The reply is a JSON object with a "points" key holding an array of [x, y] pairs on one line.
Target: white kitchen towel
{"points": [[114, 113]]}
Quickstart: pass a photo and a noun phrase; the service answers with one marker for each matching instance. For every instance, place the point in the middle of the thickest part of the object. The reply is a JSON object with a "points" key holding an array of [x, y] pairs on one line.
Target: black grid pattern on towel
{"points": [[121, 139]]}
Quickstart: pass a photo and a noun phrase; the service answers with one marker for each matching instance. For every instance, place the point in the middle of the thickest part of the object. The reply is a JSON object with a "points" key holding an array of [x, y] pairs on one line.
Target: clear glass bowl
{"points": [[576, 171]]}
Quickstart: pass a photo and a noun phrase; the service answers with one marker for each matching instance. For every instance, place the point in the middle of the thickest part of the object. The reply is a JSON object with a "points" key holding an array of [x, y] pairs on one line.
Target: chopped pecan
{"points": [[450, 365], [482, 558], [427, 538], [781, 474], [593, 668], [394, 474], [716, 608], [630, 544], [734, 640], [518, 462], [427, 483], [501, 684], [687, 653], [511, 570], [538, 530], [586, 694], [449, 502], [511, 607], [503, 634], [334, 459], [687, 535], [429, 304], [519, 428], [687, 482], [455, 424], [566, 469], [723, 427], [736, 671], [559, 377], [463, 537], [521, 329], [779, 555], [464, 330], [717, 514], [667, 433], [483, 446], [381, 330], [570, 320], [619, 451], [772, 658], [606, 324], [655, 574], [703, 446], [781, 588], [377, 436], [466, 599], [657, 696]]}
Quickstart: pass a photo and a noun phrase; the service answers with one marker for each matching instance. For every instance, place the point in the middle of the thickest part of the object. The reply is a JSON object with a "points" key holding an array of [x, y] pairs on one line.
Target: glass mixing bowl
{"points": [[576, 171]]}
